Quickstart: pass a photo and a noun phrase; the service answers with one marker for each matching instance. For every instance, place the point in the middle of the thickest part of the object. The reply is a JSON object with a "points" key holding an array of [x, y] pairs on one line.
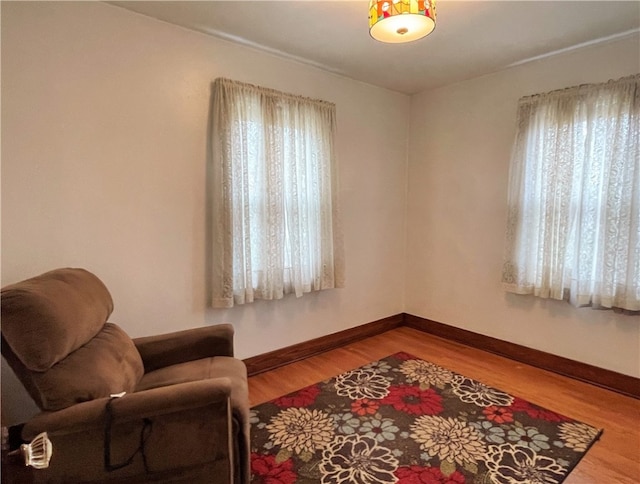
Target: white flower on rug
{"points": [[360, 383], [471, 391], [424, 372], [493, 434], [449, 439], [378, 366], [345, 423], [577, 436], [528, 436], [510, 464], [356, 459], [301, 430], [379, 430]]}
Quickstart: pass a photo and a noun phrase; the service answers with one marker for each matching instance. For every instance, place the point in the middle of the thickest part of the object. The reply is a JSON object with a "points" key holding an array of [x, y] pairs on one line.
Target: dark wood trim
{"points": [[274, 359], [611, 380], [608, 379]]}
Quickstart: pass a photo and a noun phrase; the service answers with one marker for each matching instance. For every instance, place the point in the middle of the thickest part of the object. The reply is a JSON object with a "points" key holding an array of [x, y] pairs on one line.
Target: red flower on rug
{"points": [[410, 399], [364, 406], [265, 470], [404, 356], [301, 398], [427, 475], [520, 405], [498, 414]]}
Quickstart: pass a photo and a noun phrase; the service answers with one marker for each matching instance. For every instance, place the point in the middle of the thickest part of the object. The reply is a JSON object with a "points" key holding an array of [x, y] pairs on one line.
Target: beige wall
{"points": [[104, 119], [460, 143], [104, 116]]}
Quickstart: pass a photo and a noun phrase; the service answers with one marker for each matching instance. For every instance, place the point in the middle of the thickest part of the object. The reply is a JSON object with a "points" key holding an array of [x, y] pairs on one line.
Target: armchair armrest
{"points": [[88, 416], [182, 346]]}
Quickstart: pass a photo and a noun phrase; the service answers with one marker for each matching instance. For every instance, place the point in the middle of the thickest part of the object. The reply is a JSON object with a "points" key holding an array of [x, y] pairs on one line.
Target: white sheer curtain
{"points": [[573, 227], [273, 187]]}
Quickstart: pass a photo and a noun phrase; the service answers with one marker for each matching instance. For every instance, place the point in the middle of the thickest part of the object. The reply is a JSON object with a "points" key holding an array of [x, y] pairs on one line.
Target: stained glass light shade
{"points": [[396, 21]]}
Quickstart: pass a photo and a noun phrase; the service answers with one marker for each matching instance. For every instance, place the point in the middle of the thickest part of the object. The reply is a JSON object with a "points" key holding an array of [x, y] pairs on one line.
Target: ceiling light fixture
{"points": [[397, 21]]}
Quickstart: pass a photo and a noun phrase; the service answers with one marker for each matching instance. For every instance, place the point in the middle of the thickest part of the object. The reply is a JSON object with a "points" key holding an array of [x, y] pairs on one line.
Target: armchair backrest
{"points": [[56, 338]]}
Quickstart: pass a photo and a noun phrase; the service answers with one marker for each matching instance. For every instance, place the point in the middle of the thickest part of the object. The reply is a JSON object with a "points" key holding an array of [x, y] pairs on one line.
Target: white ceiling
{"points": [[471, 38]]}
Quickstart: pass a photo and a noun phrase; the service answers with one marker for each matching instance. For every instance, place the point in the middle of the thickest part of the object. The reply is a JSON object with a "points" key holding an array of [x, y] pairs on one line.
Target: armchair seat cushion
{"points": [[204, 368]]}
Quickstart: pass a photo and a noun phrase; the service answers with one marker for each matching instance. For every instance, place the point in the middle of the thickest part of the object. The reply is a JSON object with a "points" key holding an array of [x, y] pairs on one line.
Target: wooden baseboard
{"points": [[274, 359], [611, 380], [594, 375]]}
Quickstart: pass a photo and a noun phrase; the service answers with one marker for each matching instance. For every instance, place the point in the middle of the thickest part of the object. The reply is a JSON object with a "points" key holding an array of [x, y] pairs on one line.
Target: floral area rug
{"points": [[405, 420]]}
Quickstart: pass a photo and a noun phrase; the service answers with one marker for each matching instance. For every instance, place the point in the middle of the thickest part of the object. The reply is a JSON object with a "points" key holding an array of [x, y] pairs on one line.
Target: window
{"points": [[573, 229], [273, 195]]}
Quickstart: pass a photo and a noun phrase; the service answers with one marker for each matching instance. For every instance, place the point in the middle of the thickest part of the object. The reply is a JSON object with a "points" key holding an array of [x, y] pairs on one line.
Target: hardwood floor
{"points": [[615, 458]]}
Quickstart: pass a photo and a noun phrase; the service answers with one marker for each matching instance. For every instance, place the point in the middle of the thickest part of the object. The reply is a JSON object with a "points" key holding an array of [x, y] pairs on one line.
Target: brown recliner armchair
{"points": [[184, 417]]}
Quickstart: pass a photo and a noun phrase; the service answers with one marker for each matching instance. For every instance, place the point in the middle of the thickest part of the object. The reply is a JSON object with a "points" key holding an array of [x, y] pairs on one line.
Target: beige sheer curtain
{"points": [[273, 185], [573, 227]]}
